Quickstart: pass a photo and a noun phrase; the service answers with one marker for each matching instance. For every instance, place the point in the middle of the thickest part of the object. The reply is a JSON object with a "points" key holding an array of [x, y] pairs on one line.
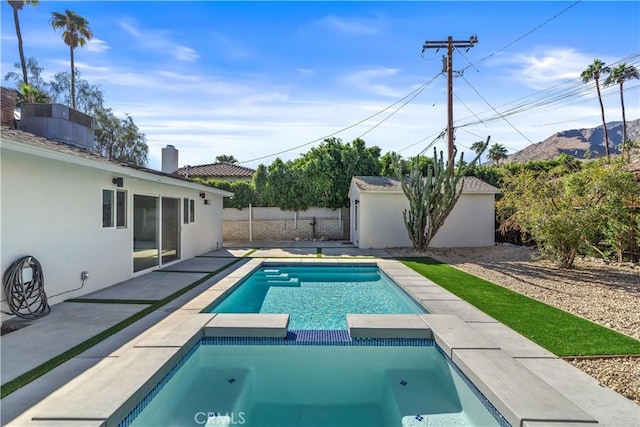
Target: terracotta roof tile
{"points": [[216, 170]]}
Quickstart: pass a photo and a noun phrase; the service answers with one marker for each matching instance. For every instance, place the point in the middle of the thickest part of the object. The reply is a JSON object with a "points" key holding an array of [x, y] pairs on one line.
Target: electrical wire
{"points": [[26, 299], [401, 106], [523, 36], [415, 91]]}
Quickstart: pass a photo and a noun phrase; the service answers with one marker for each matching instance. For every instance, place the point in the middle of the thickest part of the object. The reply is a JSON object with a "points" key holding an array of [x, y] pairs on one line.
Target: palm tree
{"points": [[593, 72], [17, 5], [76, 33], [478, 147], [619, 75], [224, 158], [497, 152], [28, 94]]}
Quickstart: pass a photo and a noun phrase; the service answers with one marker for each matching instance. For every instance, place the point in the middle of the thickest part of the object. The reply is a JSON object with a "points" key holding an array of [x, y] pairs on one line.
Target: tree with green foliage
{"points": [[76, 33], [18, 5], [389, 162], [571, 212], [607, 192], [224, 158], [120, 140], [619, 75], [478, 147], [497, 152], [431, 197], [537, 205], [594, 72], [89, 98], [244, 193], [328, 169], [34, 73], [287, 186], [28, 94]]}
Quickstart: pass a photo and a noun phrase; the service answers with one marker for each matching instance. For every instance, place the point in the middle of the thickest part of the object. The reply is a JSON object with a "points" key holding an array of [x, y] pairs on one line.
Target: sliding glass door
{"points": [[145, 232], [170, 229]]}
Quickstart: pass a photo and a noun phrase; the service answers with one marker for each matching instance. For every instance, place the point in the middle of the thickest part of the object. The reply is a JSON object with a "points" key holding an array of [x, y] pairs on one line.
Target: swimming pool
{"points": [[317, 297], [375, 382]]}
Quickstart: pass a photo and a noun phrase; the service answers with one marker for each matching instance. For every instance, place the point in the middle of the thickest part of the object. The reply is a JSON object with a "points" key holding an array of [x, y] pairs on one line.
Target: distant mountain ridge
{"points": [[577, 142]]}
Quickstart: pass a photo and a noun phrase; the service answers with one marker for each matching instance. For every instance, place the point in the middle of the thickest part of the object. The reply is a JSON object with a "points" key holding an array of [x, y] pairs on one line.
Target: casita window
{"points": [[114, 209]]}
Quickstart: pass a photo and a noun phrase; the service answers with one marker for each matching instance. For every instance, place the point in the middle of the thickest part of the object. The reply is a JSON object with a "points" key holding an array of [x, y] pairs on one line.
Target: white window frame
{"points": [[113, 224]]}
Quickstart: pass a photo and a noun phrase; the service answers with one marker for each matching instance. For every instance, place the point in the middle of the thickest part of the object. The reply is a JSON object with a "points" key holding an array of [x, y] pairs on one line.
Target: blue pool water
{"points": [[318, 297], [315, 385]]}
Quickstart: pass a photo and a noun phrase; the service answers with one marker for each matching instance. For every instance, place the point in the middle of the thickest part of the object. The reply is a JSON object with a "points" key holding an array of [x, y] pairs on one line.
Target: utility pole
{"points": [[447, 65]]}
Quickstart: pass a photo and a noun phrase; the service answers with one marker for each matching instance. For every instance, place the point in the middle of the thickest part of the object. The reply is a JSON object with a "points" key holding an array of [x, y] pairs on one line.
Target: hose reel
{"points": [[24, 289]]}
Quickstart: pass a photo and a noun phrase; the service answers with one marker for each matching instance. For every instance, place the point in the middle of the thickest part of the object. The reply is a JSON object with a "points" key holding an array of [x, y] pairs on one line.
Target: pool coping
{"points": [[497, 360]]}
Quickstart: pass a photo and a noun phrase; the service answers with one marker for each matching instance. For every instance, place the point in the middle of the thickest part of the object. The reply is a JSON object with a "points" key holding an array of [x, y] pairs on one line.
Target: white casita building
{"points": [[77, 212], [377, 203]]}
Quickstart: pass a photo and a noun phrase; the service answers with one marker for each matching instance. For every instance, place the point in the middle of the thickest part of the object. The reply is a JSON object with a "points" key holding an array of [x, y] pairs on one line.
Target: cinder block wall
{"points": [[269, 224]]}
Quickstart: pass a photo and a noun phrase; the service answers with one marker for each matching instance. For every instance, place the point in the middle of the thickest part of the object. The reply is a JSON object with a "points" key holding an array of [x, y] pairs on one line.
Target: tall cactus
{"points": [[432, 198]]}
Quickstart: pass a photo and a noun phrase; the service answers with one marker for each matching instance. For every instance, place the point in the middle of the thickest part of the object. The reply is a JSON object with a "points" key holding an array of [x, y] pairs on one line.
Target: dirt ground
{"points": [[608, 294]]}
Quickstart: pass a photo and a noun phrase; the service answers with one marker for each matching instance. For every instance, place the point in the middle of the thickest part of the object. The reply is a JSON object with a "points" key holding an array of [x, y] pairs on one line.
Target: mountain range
{"points": [[579, 142]]}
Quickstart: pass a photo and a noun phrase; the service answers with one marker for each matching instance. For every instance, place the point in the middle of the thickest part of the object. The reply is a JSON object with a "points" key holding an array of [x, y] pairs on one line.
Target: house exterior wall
{"points": [[471, 223], [380, 223], [269, 224], [52, 210]]}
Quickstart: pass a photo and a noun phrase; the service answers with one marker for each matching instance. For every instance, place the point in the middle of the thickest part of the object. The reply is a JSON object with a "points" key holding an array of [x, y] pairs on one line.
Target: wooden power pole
{"points": [[450, 45]]}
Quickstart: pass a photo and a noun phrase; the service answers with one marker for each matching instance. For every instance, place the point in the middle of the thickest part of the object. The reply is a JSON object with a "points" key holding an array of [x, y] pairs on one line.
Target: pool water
{"points": [[318, 297], [316, 385]]}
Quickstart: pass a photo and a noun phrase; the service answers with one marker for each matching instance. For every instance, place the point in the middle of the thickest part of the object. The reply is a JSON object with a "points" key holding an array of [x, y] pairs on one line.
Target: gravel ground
{"points": [[606, 294]]}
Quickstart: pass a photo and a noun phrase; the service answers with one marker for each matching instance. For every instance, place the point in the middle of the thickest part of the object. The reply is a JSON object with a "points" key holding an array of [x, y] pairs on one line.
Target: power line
{"points": [[415, 91], [523, 36], [401, 107], [501, 116]]}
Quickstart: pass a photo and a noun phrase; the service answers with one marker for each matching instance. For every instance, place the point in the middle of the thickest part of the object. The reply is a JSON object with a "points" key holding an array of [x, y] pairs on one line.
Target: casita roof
{"points": [[381, 184]]}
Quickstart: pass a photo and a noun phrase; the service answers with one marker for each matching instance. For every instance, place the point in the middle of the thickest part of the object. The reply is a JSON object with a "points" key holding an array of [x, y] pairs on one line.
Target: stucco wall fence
{"points": [[272, 224]]}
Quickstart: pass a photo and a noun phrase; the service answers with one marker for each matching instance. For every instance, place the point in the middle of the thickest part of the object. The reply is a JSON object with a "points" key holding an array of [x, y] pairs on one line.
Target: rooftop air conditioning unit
{"points": [[59, 123]]}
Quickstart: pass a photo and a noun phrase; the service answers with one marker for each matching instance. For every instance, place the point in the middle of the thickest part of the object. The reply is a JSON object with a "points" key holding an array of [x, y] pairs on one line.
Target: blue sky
{"points": [[255, 78]]}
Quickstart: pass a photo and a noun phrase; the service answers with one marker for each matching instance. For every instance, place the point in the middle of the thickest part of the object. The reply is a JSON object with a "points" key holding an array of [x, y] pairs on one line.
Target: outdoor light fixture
{"points": [[118, 181], [202, 195]]}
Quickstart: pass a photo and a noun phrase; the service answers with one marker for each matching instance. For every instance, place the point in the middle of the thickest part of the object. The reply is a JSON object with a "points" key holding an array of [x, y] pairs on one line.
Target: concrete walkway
{"points": [[72, 323]]}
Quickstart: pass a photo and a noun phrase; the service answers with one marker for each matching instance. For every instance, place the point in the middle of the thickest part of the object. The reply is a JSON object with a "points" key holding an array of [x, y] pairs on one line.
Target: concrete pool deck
{"points": [[529, 385]]}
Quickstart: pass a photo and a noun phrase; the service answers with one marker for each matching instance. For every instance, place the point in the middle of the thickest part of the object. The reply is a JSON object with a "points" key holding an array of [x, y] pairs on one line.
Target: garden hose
{"points": [[26, 299]]}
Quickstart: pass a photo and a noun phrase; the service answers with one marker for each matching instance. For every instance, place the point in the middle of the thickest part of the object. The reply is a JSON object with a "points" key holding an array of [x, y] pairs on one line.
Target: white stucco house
{"points": [[377, 203], [77, 212]]}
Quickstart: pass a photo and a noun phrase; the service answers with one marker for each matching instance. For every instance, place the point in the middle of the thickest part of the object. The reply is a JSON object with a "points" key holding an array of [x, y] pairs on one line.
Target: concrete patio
{"points": [[498, 360]]}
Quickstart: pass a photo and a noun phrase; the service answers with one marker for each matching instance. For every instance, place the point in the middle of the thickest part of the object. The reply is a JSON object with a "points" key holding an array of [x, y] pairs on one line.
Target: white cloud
{"points": [[352, 25], [158, 40], [544, 67], [368, 81], [97, 45], [305, 71]]}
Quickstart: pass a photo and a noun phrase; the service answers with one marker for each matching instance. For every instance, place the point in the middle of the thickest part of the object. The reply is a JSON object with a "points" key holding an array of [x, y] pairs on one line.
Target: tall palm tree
{"points": [[593, 72], [17, 5], [497, 152], [76, 33], [478, 147], [619, 75]]}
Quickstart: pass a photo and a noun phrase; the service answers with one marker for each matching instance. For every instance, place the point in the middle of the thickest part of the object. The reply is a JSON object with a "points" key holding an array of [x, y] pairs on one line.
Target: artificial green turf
{"points": [[58, 360], [562, 333], [112, 301]]}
